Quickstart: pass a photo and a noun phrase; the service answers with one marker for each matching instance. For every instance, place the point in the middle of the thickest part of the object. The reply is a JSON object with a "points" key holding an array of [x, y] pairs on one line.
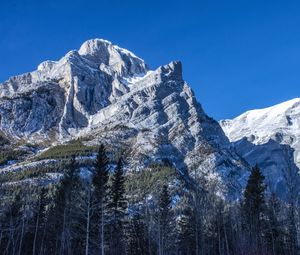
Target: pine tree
{"points": [[63, 211], [87, 211], [292, 229], [39, 220], [187, 231], [164, 220], [274, 234], [12, 216], [99, 197], [117, 207], [254, 207], [136, 236]]}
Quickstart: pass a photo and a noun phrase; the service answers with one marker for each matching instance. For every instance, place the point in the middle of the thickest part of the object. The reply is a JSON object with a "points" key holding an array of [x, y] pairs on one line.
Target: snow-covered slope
{"points": [[103, 92], [271, 138]]}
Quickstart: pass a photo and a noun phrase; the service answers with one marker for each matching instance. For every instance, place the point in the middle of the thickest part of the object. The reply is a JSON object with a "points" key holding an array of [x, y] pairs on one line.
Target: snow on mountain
{"points": [[103, 92], [271, 138], [63, 94]]}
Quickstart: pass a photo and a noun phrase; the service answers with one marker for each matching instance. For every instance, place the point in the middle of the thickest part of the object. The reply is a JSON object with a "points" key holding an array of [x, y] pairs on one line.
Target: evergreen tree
{"points": [[12, 218], [292, 230], [186, 232], [71, 216], [99, 197], [164, 220], [254, 207], [275, 233], [117, 208], [39, 220], [136, 236], [62, 214], [87, 210]]}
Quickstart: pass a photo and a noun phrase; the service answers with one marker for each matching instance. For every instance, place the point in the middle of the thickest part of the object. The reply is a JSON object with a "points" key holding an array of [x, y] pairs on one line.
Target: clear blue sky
{"points": [[237, 54]]}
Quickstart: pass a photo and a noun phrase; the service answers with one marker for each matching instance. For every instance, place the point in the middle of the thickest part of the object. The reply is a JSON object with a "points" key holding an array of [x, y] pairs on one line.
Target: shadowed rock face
{"points": [[270, 137], [103, 92], [277, 163], [32, 111]]}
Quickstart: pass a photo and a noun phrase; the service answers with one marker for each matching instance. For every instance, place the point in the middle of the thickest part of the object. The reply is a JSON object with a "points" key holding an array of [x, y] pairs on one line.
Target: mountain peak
{"points": [[264, 123], [93, 46], [123, 61], [105, 93], [269, 137]]}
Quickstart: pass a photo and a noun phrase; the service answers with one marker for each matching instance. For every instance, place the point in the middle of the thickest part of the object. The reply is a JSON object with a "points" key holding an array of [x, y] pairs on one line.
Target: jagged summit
{"points": [[97, 46], [104, 52], [83, 82], [105, 93]]}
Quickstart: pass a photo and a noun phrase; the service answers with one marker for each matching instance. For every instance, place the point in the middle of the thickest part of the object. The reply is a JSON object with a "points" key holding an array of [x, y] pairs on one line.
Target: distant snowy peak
{"points": [[260, 125], [270, 137]]}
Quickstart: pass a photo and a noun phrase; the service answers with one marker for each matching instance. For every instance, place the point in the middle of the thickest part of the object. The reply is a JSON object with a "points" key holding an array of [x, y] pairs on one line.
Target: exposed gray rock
{"points": [[103, 92]]}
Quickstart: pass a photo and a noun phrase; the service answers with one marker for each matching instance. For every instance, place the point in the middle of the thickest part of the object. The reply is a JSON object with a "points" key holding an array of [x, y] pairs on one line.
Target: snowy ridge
{"points": [[280, 123], [269, 137], [260, 125]]}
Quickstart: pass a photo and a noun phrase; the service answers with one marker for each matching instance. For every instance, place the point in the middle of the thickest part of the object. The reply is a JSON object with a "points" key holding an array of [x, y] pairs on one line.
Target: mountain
{"points": [[59, 97], [270, 137], [167, 180], [104, 93]]}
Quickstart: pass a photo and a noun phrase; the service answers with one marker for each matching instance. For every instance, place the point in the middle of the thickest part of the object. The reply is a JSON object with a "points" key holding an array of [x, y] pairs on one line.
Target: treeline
{"points": [[91, 212]]}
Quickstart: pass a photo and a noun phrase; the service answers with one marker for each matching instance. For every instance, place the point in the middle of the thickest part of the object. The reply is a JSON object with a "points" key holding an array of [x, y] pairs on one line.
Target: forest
{"points": [[111, 210]]}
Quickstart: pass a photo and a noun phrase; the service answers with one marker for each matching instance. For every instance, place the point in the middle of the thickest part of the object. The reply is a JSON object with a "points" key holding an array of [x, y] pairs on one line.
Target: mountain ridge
{"points": [[103, 93], [270, 137]]}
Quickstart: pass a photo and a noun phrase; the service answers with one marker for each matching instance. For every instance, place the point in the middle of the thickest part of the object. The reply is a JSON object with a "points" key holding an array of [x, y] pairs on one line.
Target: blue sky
{"points": [[237, 54]]}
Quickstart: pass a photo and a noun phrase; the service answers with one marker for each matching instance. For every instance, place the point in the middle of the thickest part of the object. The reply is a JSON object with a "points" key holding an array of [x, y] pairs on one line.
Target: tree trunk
{"points": [[88, 222], [22, 233], [36, 228], [102, 228]]}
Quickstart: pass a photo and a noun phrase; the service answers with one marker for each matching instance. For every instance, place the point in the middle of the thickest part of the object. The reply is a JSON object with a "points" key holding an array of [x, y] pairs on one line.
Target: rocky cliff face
{"points": [[61, 96], [103, 92], [270, 137]]}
